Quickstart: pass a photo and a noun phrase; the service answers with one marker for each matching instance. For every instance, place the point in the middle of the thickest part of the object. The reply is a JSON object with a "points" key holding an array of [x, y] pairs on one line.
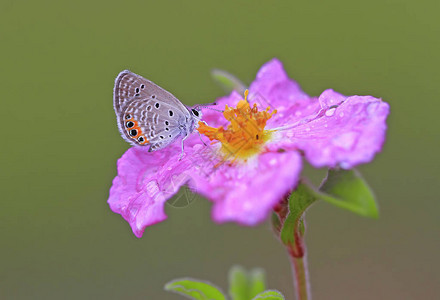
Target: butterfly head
{"points": [[196, 113]]}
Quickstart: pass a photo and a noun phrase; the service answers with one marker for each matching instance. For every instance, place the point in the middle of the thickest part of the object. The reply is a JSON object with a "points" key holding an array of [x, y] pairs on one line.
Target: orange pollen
{"points": [[245, 136]]}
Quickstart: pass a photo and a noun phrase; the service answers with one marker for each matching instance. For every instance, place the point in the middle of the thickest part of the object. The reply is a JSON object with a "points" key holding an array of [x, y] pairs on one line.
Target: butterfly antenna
{"points": [[219, 110], [207, 106]]}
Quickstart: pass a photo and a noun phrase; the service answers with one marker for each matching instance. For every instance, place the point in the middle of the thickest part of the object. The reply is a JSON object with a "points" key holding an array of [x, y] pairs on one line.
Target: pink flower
{"points": [[254, 157]]}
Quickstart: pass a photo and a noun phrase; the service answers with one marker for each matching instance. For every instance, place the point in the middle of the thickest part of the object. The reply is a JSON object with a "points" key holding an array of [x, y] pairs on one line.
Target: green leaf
{"points": [[195, 289], [269, 295], [245, 286], [300, 199], [238, 283], [257, 282], [347, 189], [228, 81]]}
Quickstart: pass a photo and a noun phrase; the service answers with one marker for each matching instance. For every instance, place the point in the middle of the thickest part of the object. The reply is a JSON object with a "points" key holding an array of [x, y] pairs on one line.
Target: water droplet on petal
{"points": [[330, 112]]}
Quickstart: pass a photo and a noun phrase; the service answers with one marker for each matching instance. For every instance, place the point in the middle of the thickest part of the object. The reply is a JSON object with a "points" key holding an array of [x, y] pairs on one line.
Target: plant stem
{"points": [[300, 271], [295, 243]]}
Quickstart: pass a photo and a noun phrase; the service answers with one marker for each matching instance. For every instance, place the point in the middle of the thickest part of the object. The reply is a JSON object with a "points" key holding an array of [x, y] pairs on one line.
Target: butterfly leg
{"points": [[181, 154], [204, 122], [201, 139]]}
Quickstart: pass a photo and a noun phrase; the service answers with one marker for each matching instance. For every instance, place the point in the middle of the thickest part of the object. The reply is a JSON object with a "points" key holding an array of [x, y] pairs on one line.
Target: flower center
{"points": [[245, 136]]}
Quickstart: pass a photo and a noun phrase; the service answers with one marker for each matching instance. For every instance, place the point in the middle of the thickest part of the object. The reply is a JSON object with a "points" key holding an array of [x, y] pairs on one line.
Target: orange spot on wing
{"points": [[138, 129], [145, 141]]}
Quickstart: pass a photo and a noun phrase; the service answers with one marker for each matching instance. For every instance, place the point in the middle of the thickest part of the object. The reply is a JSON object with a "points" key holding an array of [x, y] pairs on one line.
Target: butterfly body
{"points": [[148, 115]]}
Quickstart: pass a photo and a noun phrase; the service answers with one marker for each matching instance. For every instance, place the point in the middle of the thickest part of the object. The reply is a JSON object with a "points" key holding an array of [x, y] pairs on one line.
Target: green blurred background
{"points": [[60, 143]]}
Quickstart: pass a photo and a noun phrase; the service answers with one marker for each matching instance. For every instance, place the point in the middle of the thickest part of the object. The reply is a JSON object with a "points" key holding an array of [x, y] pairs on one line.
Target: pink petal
{"points": [[247, 193], [349, 131], [145, 181], [272, 87]]}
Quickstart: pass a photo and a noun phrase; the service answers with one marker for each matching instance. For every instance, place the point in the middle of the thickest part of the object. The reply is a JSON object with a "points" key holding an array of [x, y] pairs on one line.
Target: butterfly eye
{"points": [[195, 112], [142, 86], [167, 123], [157, 105], [128, 117], [171, 113], [129, 124], [137, 90], [141, 139]]}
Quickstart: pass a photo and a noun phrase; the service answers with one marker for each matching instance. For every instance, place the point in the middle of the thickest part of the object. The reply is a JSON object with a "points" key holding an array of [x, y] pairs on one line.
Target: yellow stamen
{"points": [[246, 93], [245, 136]]}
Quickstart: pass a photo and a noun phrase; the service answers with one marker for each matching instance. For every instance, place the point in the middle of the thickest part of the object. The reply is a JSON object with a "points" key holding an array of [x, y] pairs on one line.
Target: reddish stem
{"points": [[297, 252], [298, 258]]}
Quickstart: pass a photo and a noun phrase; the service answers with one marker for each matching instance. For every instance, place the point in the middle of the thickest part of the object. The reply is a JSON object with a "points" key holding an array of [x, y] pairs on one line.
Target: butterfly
{"points": [[148, 115]]}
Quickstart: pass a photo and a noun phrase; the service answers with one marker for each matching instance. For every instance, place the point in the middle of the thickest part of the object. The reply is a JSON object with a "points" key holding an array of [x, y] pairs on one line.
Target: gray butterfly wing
{"points": [[146, 113], [129, 86], [150, 122]]}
